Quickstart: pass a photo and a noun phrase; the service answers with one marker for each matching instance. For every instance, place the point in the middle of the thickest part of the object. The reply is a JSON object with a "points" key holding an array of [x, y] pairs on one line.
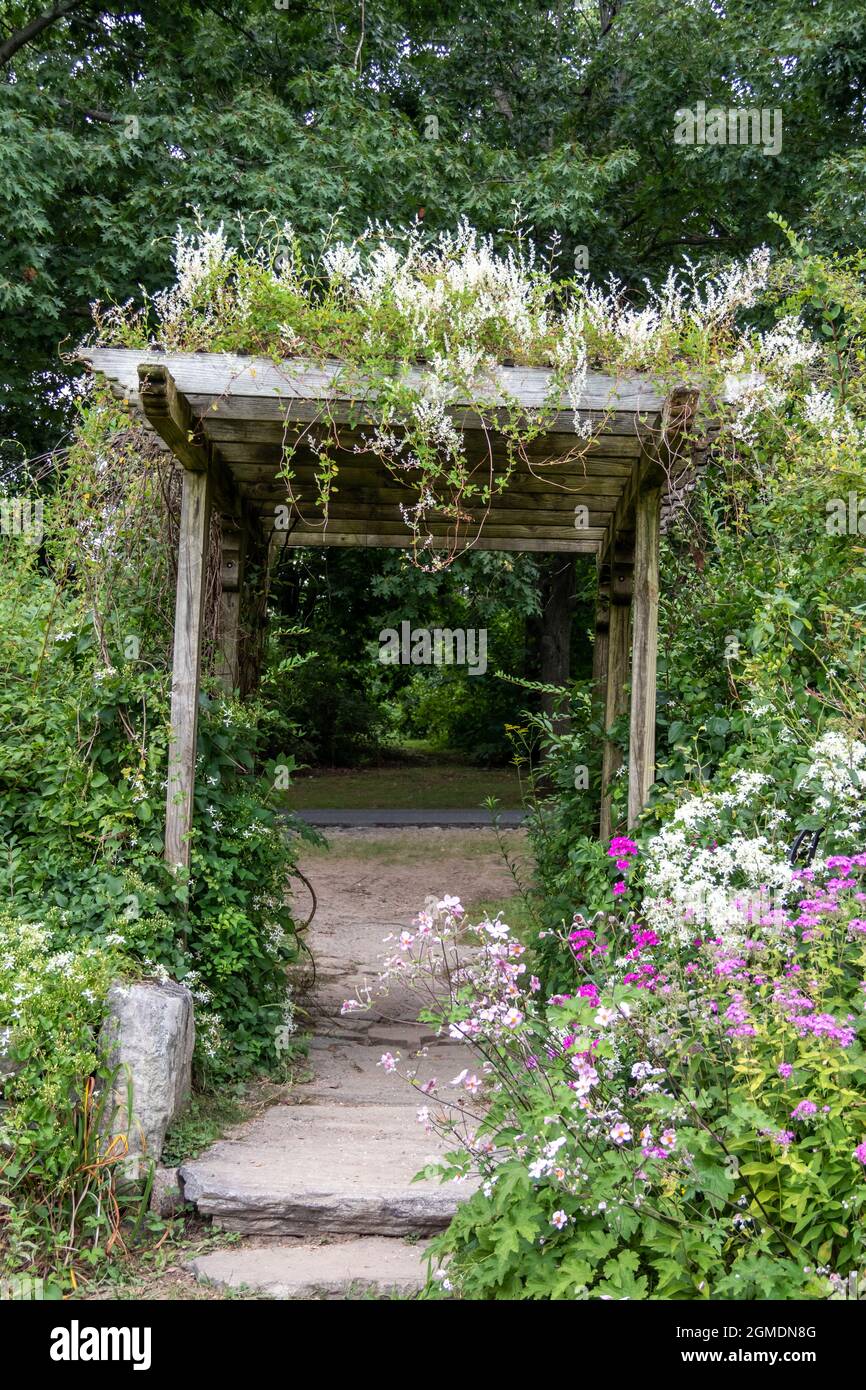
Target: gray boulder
{"points": [[166, 1197], [148, 1034]]}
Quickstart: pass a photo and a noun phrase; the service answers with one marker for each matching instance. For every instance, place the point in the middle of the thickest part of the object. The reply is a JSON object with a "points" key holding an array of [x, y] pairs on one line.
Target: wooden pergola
{"points": [[227, 419]]}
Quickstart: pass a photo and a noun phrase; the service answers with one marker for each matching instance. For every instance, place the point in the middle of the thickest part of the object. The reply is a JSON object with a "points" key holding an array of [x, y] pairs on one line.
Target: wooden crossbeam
{"points": [[581, 545], [298, 385], [167, 409]]}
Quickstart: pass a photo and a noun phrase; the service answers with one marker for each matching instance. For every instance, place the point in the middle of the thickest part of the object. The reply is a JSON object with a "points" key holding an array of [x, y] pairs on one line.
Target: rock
{"points": [[149, 1034], [166, 1196], [7, 1068], [373, 1265]]}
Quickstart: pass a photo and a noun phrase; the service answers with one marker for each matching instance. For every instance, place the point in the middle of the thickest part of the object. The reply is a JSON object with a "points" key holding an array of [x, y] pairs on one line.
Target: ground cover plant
{"points": [[87, 896]]}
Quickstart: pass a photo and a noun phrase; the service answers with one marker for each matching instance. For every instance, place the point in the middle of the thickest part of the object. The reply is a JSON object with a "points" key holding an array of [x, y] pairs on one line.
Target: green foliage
{"points": [[58, 1193], [201, 1123], [328, 695], [84, 697]]}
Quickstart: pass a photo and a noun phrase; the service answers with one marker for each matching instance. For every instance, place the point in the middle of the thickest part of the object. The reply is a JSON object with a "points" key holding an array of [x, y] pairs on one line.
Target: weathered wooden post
{"points": [[645, 625], [170, 415], [659, 469], [186, 665], [616, 683], [233, 548]]}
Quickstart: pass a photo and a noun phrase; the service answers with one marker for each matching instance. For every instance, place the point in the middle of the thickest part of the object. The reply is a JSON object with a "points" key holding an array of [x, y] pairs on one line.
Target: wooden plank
{"points": [[391, 494], [219, 374], [365, 502], [269, 436], [315, 540], [383, 521], [355, 416], [186, 664], [570, 485], [247, 459], [395, 526], [171, 416], [642, 729]]}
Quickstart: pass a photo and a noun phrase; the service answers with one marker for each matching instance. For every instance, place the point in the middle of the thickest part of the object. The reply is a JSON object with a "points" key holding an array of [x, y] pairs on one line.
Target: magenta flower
{"points": [[860, 1153], [621, 845], [619, 888], [803, 1110], [785, 1070]]}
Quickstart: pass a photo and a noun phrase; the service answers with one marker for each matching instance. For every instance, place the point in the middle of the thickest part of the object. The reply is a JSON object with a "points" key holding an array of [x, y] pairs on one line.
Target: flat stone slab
{"points": [[345, 1072], [373, 1265], [311, 1169]]}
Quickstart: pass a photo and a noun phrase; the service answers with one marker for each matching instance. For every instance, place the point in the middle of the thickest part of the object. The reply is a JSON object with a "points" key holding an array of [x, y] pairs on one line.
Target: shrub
{"points": [[58, 1196], [84, 698]]}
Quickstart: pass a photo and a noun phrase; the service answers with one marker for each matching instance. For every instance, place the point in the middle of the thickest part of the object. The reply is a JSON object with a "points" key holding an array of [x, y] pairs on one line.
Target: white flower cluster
{"points": [[838, 773], [198, 260], [686, 300], [717, 888], [727, 889], [458, 276], [732, 882]]}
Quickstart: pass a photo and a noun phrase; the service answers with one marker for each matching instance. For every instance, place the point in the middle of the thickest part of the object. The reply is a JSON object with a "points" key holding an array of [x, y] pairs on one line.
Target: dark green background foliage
{"points": [[343, 704], [316, 113]]}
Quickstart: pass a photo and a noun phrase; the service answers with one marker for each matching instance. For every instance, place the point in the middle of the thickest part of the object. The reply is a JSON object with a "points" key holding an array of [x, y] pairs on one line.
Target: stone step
{"points": [[312, 1169], [372, 1265], [345, 1072]]}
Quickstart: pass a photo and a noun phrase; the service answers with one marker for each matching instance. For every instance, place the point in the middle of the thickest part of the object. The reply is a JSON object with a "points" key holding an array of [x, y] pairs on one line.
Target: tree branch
{"points": [[10, 46]]}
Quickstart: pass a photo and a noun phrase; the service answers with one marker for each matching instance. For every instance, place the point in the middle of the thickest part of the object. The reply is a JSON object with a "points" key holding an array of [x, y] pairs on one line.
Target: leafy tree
{"points": [[117, 118]]}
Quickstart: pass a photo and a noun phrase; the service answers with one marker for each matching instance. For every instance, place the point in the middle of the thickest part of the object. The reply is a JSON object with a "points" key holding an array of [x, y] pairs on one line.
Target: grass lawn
{"points": [[409, 784]]}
